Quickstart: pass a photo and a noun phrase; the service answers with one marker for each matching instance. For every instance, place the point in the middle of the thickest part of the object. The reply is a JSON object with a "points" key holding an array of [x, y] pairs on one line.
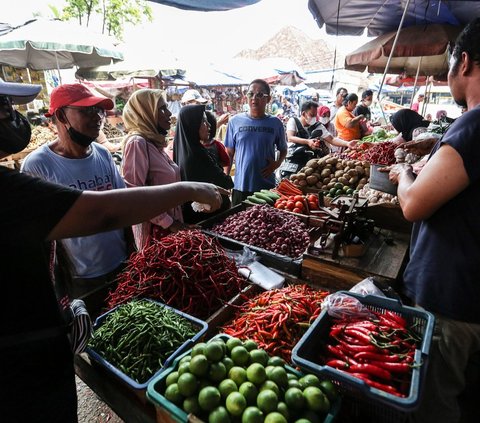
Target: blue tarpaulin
{"points": [[206, 5], [351, 17]]}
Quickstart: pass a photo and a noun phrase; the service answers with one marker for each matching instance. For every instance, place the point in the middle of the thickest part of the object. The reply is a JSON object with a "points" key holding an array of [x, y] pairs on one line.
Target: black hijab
{"points": [[406, 121], [190, 155]]}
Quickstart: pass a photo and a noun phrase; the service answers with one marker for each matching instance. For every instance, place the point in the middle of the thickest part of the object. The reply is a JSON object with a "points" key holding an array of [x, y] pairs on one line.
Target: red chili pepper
{"points": [[372, 370], [392, 367], [382, 386], [357, 334], [366, 355]]}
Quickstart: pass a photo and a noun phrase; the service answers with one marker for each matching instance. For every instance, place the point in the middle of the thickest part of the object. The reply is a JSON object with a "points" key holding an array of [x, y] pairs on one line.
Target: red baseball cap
{"points": [[76, 95]]}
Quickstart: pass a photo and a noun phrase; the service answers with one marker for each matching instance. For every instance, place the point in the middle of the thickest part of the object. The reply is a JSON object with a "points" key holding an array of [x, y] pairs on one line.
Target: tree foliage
{"points": [[113, 14]]}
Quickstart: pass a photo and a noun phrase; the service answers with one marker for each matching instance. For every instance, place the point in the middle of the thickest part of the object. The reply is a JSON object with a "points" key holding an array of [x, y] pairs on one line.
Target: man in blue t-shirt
{"points": [[252, 140], [443, 275]]}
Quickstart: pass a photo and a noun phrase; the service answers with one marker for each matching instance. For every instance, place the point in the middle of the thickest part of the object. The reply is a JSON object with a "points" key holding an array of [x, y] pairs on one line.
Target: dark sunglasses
{"points": [[90, 111]]}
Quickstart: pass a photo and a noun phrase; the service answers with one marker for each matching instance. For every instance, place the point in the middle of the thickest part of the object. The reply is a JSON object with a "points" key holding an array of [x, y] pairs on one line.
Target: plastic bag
{"points": [[244, 258], [343, 306], [367, 287]]}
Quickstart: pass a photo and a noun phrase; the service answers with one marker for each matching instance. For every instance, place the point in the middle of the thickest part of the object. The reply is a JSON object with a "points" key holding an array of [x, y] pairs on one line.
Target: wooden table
{"points": [[123, 401], [385, 259]]}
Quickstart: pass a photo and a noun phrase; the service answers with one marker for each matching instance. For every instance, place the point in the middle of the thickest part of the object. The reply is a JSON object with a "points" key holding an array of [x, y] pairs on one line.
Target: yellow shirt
{"points": [[342, 118]]}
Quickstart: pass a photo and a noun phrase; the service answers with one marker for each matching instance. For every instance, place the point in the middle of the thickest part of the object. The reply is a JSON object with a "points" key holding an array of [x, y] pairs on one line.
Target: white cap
{"points": [[193, 95]]}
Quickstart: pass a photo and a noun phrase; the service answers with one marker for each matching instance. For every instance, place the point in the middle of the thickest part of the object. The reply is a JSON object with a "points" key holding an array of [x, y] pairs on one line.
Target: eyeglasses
{"points": [[90, 111], [258, 96]]}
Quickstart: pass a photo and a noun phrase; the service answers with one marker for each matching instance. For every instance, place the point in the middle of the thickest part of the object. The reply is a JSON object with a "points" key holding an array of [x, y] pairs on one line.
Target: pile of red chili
{"points": [[379, 351], [278, 318], [375, 153], [186, 270]]}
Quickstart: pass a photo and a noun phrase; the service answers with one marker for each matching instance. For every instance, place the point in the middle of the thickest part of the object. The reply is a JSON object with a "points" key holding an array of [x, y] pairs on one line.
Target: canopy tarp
{"points": [[206, 5], [351, 17]]}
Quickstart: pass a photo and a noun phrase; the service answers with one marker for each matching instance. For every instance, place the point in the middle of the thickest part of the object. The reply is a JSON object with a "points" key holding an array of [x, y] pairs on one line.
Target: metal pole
{"points": [[391, 54], [416, 80]]}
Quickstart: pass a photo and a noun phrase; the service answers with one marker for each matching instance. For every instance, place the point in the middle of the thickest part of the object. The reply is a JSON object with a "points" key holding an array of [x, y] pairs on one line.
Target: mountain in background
{"points": [[292, 43]]}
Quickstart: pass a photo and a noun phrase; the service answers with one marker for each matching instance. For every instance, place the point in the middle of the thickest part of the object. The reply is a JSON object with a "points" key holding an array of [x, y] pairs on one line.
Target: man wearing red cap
{"points": [[74, 160]]}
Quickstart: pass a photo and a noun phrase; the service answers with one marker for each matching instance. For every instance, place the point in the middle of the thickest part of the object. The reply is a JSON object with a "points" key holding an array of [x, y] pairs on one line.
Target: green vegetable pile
{"points": [[379, 135], [139, 336]]}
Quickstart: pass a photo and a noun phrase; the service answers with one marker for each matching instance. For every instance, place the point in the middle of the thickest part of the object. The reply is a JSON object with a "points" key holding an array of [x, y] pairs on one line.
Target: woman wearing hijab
{"points": [[192, 157], [145, 162], [405, 121]]}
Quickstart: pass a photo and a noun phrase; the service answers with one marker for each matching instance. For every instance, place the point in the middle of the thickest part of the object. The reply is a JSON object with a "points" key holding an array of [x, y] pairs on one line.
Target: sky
{"points": [[205, 36]]}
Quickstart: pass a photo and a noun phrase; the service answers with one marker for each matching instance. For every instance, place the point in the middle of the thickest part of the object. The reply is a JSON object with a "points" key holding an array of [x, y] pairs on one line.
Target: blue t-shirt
{"points": [[443, 274], [254, 142], [93, 255]]}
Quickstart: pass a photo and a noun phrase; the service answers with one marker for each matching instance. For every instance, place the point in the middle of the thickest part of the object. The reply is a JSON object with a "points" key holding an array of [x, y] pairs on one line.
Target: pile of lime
{"points": [[229, 380], [340, 189]]}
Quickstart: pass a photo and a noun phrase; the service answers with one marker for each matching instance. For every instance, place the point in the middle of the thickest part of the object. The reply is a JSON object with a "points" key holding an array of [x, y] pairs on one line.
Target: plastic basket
{"points": [[305, 355], [169, 412], [381, 182], [128, 381]]}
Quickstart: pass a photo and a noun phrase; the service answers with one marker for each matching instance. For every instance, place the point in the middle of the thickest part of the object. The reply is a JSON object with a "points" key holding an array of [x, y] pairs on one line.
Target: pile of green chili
{"points": [[139, 336]]}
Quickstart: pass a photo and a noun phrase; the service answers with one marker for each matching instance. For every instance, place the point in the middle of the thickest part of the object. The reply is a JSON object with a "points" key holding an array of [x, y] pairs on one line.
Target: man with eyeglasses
{"points": [[76, 161], [443, 273], [252, 140]]}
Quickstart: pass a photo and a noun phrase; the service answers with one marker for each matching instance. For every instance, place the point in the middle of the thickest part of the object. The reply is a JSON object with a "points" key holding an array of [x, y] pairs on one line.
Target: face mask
{"points": [[324, 120], [14, 133], [368, 103], [310, 120], [79, 138]]}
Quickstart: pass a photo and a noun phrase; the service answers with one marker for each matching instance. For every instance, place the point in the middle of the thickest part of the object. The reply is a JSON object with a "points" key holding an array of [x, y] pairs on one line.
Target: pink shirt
{"points": [[142, 168]]}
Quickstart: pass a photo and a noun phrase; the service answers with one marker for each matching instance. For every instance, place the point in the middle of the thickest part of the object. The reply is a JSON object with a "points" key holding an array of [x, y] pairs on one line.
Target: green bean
{"points": [[139, 336]]}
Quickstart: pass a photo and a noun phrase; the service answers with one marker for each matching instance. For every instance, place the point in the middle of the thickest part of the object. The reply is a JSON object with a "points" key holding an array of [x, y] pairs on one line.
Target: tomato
{"points": [[299, 205], [312, 205], [312, 198], [280, 206], [296, 210], [298, 198], [290, 205]]}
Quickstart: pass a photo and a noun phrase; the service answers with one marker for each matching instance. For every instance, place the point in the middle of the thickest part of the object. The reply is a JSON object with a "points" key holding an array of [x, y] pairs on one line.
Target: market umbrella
{"points": [[351, 17], [419, 49], [42, 44], [206, 5]]}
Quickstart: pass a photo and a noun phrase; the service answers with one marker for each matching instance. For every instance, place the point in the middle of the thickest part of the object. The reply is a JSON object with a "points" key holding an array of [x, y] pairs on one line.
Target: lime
{"points": [[190, 405], [249, 391], [292, 376], [232, 343], [214, 351], [345, 188], [294, 398], [240, 356], [227, 386], [275, 417], [235, 403], [316, 399], [219, 415], [228, 363], [329, 389], [184, 367], [217, 372], [302, 420], [267, 401], [250, 345], [270, 385], [259, 356], [268, 371], [173, 394], [350, 191], [332, 191], [187, 384], [256, 373], [338, 192], [279, 376], [294, 383], [171, 378], [198, 349], [276, 361], [209, 398], [238, 375], [338, 185], [187, 358], [199, 365], [282, 408], [252, 415], [310, 380]]}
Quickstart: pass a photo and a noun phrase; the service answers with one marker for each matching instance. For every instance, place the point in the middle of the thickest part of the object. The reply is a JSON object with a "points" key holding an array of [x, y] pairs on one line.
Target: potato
{"points": [[360, 186], [319, 185], [329, 166], [339, 173], [339, 166], [326, 181], [330, 185], [367, 171], [301, 176], [308, 171], [313, 163], [360, 170], [325, 173], [332, 161], [311, 180], [333, 180], [353, 180], [363, 181], [352, 172], [343, 180], [302, 182]]}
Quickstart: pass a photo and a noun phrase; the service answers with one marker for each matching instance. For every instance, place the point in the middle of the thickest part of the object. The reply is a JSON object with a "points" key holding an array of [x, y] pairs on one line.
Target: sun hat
{"points": [[193, 95], [19, 93], [76, 95]]}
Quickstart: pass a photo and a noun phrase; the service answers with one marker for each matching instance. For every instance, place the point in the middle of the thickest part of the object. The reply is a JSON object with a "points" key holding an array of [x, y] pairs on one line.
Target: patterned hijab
{"points": [[140, 115]]}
